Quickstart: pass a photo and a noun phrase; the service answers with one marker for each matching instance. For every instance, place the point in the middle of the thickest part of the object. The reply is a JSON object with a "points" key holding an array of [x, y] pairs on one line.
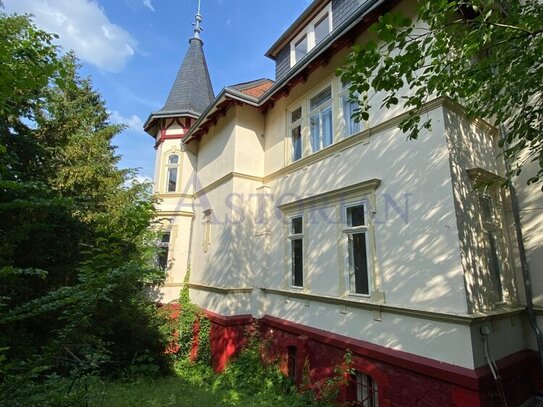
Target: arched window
{"points": [[172, 173]]}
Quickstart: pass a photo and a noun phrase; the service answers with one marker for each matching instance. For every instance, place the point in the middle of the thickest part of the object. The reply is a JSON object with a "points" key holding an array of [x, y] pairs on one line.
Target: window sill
{"points": [[358, 295]]}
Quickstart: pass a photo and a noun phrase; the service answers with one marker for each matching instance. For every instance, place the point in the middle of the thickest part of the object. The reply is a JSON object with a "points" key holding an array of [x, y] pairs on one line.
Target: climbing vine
{"points": [[194, 328], [248, 370]]}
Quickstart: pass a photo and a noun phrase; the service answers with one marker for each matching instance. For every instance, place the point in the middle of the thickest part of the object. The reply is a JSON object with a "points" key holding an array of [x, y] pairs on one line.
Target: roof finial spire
{"points": [[197, 27]]}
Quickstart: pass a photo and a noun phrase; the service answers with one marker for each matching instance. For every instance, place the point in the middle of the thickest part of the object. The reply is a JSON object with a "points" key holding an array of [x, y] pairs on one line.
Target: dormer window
{"points": [[316, 31]]}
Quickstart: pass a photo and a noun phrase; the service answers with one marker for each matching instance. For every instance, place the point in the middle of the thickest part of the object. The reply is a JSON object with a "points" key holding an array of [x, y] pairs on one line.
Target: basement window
{"points": [[363, 390]]}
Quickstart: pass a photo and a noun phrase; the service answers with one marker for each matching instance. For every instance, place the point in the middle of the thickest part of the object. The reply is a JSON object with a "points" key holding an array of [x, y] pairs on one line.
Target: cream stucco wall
{"points": [[426, 282], [474, 146]]}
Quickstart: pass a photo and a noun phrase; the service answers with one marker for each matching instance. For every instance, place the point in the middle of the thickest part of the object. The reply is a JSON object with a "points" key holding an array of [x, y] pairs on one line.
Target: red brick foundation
{"points": [[403, 379]]}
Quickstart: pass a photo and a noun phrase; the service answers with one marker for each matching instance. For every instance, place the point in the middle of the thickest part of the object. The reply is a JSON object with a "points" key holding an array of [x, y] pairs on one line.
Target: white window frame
{"points": [[164, 246], [309, 32], [291, 127], [345, 121], [364, 384], [319, 110], [492, 230], [170, 167], [291, 237], [206, 236], [348, 232]]}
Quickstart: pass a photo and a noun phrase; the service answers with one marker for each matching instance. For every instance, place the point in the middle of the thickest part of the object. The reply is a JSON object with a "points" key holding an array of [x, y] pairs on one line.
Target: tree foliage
{"points": [[75, 246], [486, 55]]}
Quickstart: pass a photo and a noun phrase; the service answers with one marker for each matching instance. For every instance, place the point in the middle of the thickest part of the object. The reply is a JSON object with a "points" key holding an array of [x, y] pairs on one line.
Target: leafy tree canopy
{"points": [[486, 55], [75, 247]]}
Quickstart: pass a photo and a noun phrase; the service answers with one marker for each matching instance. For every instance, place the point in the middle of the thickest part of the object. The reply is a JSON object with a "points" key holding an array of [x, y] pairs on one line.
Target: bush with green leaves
{"points": [[76, 250]]}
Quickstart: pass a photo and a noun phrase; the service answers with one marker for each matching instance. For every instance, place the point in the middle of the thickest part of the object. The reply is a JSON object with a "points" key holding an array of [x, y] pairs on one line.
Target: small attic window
{"points": [[316, 31]]}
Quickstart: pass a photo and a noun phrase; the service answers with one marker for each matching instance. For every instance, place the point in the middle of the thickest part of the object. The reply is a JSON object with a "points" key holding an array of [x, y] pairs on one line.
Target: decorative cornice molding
{"points": [[174, 213], [224, 179], [368, 186], [166, 195], [373, 131], [463, 319], [221, 290], [348, 142]]}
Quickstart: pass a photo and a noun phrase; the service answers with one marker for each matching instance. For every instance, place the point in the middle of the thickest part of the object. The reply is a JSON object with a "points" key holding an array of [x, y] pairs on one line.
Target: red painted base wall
{"points": [[403, 379]]}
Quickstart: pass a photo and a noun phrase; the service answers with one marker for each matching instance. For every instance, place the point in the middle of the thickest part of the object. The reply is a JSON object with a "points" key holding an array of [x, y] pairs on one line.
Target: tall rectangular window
{"points": [[163, 250], [322, 28], [356, 231], [300, 48], [321, 123], [291, 362], [172, 172], [295, 126], [348, 106], [491, 230], [296, 239]]}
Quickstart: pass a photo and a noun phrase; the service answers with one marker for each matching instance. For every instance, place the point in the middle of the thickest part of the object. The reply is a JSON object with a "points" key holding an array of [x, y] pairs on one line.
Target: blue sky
{"points": [[132, 50]]}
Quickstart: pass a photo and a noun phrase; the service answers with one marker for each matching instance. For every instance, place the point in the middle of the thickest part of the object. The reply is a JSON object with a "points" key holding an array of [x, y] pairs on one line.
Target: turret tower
{"points": [[190, 94]]}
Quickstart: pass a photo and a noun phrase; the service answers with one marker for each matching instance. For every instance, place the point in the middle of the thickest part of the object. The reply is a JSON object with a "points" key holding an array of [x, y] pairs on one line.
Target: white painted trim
{"points": [[309, 33]]}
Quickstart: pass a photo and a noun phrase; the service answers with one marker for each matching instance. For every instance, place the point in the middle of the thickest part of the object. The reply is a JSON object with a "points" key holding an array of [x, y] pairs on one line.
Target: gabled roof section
{"points": [[254, 88]]}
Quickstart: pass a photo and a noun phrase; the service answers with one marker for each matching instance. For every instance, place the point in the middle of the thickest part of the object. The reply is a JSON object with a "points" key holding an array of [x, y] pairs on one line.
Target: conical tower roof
{"points": [[191, 91]]}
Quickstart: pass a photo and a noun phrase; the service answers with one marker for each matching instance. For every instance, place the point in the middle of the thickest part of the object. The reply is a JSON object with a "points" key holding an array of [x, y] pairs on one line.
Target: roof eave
{"points": [[166, 115], [223, 94]]}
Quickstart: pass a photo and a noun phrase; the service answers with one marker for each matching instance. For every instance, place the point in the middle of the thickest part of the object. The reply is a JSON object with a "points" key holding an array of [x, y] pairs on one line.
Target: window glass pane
{"points": [[296, 115], [174, 159], [494, 264], [487, 209], [297, 263], [314, 124], [172, 179], [163, 258], [322, 28], [296, 225], [165, 237], [355, 216], [321, 98], [292, 362], [162, 255], [300, 48], [351, 126], [359, 263], [327, 131], [296, 143]]}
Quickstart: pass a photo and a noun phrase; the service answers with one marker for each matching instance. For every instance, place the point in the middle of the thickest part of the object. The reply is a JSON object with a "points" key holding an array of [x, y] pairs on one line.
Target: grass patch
{"points": [[197, 385], [169, 391]]}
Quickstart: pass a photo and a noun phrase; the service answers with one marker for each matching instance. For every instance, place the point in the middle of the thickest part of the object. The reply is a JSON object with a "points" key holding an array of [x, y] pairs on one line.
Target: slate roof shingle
{"points": [[192, 90]]}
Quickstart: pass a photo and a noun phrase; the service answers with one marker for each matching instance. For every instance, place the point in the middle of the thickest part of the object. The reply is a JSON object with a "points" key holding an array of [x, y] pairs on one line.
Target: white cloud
{"points": [[83, 26], [148, 4], [135, 5], [133, 122]]}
